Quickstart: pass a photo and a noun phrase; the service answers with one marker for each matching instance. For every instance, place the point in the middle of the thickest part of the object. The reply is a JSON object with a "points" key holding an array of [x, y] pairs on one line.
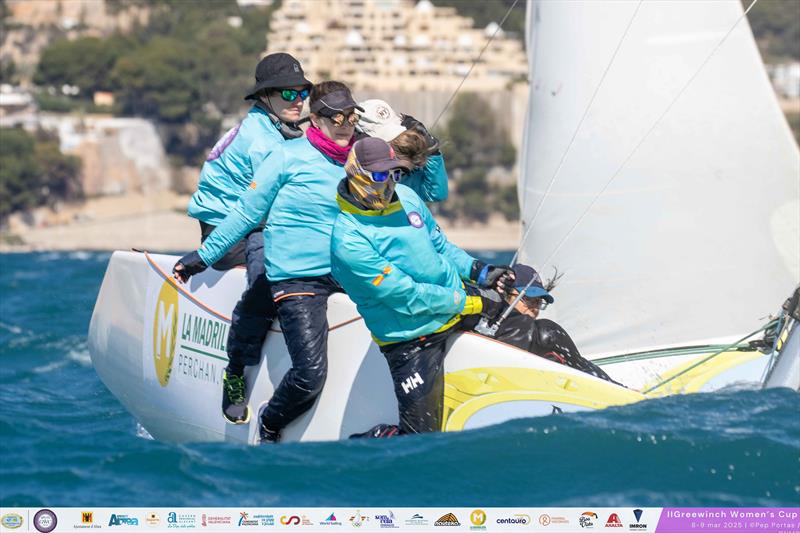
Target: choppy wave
{"points": [[68, 442]]}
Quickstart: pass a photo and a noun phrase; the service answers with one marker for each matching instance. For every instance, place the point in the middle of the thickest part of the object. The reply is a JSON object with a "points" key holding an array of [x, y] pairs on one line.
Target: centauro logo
{"points": [[165, 331]]}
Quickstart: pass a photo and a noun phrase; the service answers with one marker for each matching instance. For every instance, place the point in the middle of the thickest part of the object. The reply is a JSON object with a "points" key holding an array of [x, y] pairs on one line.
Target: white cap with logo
{"points": [[379, 120]]}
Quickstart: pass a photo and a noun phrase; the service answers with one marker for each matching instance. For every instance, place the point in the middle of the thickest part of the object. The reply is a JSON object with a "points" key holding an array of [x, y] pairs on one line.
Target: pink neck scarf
{"points": [[328, 146]]}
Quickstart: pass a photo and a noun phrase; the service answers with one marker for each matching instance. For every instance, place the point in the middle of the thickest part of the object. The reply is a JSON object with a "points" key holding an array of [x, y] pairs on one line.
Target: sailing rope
{"points": [[575, 134], [475, 62], [641, 141], [710, 357]]}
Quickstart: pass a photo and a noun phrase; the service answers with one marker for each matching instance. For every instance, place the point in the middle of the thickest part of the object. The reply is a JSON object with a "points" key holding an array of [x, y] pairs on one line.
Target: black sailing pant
{"points": [[255, 310], [417, 368], [302, 305]]}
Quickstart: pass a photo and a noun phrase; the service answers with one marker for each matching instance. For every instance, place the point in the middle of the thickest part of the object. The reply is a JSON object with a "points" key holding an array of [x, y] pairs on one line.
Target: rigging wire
{"points": [[645, 136], [575, 135], [475, 62]]}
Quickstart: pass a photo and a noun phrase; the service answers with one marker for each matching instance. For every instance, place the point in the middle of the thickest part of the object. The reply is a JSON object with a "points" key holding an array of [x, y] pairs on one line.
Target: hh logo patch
{"points": [[415, 219], [412, 382], [379, 278]]}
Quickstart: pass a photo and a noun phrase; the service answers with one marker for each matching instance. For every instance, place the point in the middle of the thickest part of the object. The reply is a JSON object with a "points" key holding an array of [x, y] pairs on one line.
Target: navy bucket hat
{"points": [[524, 274], [278, 71]]}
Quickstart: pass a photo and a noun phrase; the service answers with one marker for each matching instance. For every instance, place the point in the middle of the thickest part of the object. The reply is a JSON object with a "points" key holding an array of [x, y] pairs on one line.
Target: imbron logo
{"points": [[165, 331]]}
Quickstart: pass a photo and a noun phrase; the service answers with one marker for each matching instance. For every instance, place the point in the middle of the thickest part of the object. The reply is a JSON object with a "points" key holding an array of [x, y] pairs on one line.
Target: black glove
{"points": [[187, 266], [487, 276], [492, 303], [410, 123]]}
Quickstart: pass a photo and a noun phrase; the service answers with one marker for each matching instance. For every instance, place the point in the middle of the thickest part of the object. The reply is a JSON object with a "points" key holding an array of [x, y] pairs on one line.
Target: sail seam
{"points": [[575, 133], [646, 135]]}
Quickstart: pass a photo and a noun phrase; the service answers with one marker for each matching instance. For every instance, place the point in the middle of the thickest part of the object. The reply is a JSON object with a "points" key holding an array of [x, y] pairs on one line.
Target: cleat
{"points": [[234, 404]]}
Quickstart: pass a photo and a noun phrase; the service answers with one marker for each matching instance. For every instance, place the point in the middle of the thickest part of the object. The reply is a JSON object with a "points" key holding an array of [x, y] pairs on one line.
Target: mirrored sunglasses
{"points": [[339, 119], [395, 174], [533, 303], [290, 95]]}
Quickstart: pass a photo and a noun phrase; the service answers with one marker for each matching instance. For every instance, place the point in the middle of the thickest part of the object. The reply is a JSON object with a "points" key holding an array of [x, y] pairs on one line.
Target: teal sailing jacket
{"points": [[294, 189], [430, 181], [231, 165], [398, 267]]}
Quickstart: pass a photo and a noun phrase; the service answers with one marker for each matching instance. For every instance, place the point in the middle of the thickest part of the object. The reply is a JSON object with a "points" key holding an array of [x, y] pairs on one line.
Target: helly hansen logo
{"points": [[412, 382]]}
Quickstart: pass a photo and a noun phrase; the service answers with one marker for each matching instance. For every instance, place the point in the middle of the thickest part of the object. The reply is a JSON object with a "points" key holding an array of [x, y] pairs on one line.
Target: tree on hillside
{"points": [[34, 172], [157, 82], [474, 142], [85, 63]]}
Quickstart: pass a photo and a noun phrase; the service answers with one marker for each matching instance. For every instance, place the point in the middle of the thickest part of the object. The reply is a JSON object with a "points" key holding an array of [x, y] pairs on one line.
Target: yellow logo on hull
{"points": [[165, 331]]}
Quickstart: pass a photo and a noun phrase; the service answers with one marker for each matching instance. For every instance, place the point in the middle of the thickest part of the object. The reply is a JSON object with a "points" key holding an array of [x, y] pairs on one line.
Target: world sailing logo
{"points": [[165, 331]]}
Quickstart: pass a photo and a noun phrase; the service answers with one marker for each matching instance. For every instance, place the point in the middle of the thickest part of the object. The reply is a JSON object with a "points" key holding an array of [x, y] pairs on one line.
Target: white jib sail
{"points": [[696, 238]]}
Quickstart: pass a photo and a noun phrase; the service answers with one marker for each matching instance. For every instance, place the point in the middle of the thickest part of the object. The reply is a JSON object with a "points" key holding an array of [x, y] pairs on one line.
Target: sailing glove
{"points": [[488, 276], [410, 123], [487, 303], [188, 265]]}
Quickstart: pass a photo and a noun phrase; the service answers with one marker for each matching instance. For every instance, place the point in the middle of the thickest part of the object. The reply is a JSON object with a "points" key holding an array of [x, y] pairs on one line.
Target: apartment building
{"points": [[391, 45]]}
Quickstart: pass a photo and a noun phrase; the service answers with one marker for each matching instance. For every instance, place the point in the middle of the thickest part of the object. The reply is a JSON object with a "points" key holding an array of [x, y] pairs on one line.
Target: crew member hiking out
{"points": [[545, 338], [406, 280], [278, 96]]}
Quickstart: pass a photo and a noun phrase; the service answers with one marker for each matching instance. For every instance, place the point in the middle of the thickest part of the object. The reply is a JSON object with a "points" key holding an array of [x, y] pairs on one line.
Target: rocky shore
{"points": [[159, 223]]}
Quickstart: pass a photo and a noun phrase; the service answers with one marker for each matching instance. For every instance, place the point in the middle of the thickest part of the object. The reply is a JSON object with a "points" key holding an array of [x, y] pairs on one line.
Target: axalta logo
{"points": [[613, 520], [290, 520], [11, 521], [165, 331]]}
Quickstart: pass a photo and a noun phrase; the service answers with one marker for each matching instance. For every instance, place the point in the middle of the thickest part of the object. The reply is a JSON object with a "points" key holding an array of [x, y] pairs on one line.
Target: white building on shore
{"points": [[386, 45]]}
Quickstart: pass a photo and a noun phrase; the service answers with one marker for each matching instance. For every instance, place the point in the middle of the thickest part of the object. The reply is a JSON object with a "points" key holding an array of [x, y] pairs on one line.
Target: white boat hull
{"points": [[160, 349]]}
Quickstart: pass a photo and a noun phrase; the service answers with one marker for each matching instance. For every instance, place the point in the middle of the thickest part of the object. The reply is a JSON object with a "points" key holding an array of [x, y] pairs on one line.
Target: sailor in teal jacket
{"points": [[406, 279], [398, 266], [278, 98], [232, 163]]}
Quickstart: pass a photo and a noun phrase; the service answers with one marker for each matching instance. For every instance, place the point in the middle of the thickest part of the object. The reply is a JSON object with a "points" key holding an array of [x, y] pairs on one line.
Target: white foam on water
{"points": [[16, 330], [55, 365], [81, 357]]}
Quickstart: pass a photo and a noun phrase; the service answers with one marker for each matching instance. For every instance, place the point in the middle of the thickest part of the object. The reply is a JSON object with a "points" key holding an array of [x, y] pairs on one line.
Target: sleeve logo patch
{"points": [[253, 184], [415, 219], [377, 280]]}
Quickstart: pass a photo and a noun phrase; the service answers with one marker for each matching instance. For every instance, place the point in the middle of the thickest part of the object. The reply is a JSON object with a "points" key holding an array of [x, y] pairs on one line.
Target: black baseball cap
{"points": [[376, 155], [278, 71], [524, 274], [335, 102]]}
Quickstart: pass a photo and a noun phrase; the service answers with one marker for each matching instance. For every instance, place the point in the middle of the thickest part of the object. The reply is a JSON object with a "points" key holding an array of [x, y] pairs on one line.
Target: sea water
{"points": [[66, 441]]}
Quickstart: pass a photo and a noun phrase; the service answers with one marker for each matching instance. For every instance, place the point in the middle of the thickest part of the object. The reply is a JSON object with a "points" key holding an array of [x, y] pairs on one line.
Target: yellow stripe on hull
{"points": [[469, 391]]}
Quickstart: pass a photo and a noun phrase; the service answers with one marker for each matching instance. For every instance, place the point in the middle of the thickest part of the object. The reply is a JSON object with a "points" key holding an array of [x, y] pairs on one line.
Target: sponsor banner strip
{"points": [[422, 519]]}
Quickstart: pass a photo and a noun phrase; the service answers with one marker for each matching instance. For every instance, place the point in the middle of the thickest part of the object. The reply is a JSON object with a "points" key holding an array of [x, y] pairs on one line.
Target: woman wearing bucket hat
{"points": [[405, 278], [295, 189], [411, 142], [522, 327], [278, 95]]}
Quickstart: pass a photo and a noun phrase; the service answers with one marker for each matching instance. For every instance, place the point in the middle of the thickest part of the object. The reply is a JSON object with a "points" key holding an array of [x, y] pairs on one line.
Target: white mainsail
{"points": [[696, 238]]}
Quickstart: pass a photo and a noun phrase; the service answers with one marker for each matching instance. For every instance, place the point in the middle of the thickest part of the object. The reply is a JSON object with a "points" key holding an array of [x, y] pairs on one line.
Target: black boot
{"points": [[381, 431], [268, 436]]}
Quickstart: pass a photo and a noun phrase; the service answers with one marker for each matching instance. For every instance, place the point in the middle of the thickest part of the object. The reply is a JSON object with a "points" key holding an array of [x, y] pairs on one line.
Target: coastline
{"points": [[158, 223]]}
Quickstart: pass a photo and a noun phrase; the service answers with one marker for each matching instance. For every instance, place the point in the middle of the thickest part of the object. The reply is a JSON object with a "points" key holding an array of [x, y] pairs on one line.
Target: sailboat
{"points": [[657, 174]]}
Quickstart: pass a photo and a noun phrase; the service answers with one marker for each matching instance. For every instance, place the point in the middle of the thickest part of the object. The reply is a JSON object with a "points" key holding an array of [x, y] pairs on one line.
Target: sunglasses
{"points": [[533, 303], [339, 119], [290, 95], [394, 174]]}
